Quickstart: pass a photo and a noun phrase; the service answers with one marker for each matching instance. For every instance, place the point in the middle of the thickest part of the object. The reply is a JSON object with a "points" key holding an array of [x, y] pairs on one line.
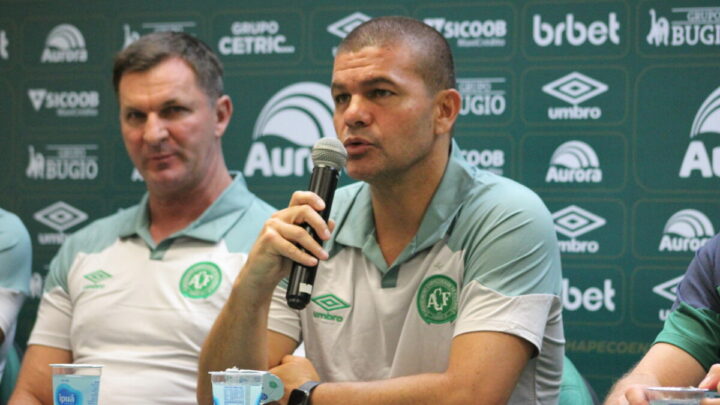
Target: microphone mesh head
{"points": [[329, 152]]}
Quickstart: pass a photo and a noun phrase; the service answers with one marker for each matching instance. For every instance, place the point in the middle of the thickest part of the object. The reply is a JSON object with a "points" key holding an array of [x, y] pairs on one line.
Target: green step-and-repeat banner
{"points": [[609, 109]]}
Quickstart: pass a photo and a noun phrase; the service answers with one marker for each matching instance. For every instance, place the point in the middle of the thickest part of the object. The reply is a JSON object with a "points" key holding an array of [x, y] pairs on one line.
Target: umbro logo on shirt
{"points": [[96, 278]]}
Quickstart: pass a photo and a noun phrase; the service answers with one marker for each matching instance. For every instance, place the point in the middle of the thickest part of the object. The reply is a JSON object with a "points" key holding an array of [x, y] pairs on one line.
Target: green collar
{"points": [[211, 226], [357, 228]]}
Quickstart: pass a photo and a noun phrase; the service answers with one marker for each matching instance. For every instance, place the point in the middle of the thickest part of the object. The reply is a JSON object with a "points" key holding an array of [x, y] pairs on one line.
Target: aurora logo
{"points": [[574, 162], [299, 114], [65, 43], [686, 231], [698, 157]]}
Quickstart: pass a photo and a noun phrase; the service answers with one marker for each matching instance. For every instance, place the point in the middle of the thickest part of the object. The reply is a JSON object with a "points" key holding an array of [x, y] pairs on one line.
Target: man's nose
{"points": [[357, 113], [155, 129]]}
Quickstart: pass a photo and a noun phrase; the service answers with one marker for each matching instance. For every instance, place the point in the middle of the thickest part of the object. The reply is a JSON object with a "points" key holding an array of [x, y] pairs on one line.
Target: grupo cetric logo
{"points": [[697, 157], [201, 280], [575, 88], [574, 162], [437, 299], [64, 44], [686, 231], [572, 222], [298, 115]]}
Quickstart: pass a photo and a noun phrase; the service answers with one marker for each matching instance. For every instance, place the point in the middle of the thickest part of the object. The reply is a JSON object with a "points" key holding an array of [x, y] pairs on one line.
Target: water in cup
{"points": [[245, 387]]}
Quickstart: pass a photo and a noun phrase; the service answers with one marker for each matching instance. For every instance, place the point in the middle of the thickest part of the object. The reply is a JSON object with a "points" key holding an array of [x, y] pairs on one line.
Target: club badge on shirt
{"points": [[437, 299], [200, 280]]}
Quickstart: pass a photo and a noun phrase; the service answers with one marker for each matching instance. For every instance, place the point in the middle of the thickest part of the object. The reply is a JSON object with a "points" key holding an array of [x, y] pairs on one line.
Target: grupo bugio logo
{"points": [[685, 26]]}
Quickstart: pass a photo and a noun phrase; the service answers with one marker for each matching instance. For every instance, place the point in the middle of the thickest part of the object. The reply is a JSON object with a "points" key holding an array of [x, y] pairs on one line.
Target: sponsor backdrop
{"points": [[610, 110]]}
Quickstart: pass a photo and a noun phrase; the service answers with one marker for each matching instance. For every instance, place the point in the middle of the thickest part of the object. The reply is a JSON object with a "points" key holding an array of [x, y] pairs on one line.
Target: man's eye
{"points": [[341, 98], [134, 116], [380, 93], [174, 111]]}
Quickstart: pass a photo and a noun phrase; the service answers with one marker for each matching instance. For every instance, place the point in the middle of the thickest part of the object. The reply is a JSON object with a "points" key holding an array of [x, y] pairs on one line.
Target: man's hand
{"points": [[277, 246], [294, 371]]}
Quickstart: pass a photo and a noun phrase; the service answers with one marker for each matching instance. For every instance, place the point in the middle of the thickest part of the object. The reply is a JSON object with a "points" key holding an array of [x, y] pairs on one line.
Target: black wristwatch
{"points": [[301, 395]]}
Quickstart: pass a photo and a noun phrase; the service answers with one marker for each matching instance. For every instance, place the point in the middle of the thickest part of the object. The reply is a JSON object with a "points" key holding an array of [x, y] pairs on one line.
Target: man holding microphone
{"points": [[440, 283]]}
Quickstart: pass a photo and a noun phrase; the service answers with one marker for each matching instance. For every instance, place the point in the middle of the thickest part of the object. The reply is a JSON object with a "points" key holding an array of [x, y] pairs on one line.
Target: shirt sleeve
{"points": [[282, 318], [52, 326], [15, 268], [512, 274], [694, 323]]}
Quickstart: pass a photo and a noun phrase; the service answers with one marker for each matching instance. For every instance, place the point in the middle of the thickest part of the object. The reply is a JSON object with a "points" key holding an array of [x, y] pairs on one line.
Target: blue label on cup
{"points": [[65, 395], [76, 389]]}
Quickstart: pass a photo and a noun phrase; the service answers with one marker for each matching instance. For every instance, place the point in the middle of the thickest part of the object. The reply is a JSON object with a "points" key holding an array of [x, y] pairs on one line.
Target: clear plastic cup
{"points": [[245, 387], [76, 384], [675, 395]]}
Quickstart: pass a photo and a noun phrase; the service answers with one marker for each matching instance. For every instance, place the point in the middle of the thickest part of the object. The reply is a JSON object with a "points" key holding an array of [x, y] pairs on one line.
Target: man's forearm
{"points": [[617, 393], [21, 397], [238, 337], [421, 389]]}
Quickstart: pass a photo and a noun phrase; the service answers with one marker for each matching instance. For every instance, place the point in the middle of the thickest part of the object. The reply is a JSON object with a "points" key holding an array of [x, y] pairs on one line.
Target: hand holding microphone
{"points": [[329, 157]]}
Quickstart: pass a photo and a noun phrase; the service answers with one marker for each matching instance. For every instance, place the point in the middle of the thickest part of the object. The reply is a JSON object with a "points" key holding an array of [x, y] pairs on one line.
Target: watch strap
{"points": [[308, 388]]}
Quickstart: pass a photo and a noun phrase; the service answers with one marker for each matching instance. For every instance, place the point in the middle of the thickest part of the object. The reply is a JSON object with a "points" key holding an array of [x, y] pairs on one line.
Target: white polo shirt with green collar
{"points": [[485, 258], [142, 310]]}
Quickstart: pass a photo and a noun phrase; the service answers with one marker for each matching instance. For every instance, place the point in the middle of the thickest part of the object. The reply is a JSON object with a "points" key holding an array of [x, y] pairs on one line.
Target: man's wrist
{"points": [[303, 394]]}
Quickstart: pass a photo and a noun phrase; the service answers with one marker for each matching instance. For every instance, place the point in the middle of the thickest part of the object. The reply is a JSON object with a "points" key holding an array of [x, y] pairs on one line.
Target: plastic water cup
{"points": [[675, 395], [245, 387], [76, 384]]}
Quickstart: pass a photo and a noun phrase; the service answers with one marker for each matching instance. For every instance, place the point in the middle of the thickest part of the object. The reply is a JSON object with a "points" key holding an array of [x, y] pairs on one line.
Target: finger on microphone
{"points": [[309, 198]]}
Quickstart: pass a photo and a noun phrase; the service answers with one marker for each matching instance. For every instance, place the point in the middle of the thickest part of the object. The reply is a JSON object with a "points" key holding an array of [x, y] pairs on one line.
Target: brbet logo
{"points": [[4, 43], [574, 88], [686, 231], [592, 299], [64, 162], [479, 98], [693, 26], [697, 157], [299, 114], [574, 162], [576, 33], [471, 33], [344, 26], [573, 221], [255, 38], [64, 44], [59, 216], [66, 103]]}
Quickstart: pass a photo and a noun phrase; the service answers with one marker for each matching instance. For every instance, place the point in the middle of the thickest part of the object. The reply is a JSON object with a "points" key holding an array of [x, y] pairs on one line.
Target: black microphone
{"points": [[329, 157]]}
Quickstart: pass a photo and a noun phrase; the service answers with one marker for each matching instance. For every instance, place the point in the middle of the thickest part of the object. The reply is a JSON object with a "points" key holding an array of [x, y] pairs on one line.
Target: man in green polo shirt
{"points": [[440, 283], [138, 291]]}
